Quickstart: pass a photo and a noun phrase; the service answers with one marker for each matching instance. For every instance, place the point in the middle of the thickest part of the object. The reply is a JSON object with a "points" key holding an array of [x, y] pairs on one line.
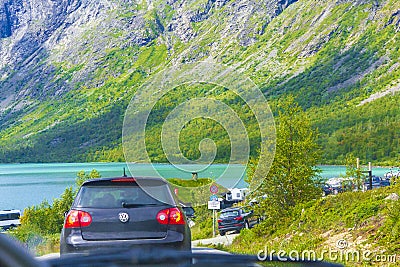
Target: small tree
{"points": [[292, 176]]}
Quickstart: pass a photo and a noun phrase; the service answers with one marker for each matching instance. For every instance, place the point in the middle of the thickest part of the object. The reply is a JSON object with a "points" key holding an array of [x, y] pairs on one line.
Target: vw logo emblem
{"points": [[123, 217]]}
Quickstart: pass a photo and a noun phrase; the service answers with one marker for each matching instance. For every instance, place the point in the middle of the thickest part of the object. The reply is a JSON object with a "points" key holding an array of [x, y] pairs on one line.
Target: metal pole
{"points": [[213, 223]]}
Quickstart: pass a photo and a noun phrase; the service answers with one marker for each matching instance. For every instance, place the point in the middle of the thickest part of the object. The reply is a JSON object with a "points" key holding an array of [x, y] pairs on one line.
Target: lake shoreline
{"points": [[27, 184]]}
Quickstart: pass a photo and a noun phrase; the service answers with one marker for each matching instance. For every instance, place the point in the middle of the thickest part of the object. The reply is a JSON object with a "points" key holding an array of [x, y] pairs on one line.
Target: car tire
{"points": [[221, 233]]}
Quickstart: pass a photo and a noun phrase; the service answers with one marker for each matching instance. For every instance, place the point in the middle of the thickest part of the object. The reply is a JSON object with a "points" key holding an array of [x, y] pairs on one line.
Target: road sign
{"points": [[213, 198], [214, 205], [214, 189]]}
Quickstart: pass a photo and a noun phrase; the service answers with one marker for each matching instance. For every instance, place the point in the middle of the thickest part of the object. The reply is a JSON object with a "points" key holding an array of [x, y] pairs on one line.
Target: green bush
{"points": [[48, 219], [41, 225], [203, 223]]}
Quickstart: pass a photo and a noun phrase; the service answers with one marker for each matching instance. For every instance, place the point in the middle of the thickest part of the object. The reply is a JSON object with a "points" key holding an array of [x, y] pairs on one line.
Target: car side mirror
{"points": [[189, 212]]}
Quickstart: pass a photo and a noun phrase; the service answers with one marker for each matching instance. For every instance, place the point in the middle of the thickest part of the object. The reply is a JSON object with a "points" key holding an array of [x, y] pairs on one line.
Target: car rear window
{"points": [[114, 196], [229, 213]]}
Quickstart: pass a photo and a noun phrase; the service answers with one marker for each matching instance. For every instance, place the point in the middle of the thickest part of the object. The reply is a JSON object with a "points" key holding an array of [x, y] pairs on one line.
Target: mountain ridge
{"points": [[329, 54]]}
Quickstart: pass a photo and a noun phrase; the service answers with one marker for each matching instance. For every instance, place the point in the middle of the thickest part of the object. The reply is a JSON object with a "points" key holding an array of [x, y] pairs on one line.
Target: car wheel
{"points": [[222, 233]]}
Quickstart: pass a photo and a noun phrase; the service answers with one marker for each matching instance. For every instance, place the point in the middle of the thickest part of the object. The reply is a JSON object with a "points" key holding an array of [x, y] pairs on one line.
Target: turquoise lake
{"points": [[24, 185]]}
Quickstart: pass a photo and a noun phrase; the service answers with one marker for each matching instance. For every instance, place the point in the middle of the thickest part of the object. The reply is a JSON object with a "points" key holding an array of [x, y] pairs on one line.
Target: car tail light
{"points": [[219, 220], [77, 218], [239, 218], [170, 216]]}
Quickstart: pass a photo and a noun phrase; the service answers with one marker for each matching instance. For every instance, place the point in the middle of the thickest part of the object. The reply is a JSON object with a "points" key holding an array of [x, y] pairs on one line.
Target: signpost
{"points": [[369, 172], [214, 189], [213, 198], [214, 204]]}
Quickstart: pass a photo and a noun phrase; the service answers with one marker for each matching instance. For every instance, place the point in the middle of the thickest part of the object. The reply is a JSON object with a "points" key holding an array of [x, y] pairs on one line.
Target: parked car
{"points": [[376, 183], [118, 212], [236, 219], [338, 185], [326, 189]]}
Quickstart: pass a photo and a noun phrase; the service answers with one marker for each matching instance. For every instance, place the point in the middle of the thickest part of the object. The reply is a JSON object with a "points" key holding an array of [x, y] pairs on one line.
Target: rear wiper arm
{"points": [[137, 205]]}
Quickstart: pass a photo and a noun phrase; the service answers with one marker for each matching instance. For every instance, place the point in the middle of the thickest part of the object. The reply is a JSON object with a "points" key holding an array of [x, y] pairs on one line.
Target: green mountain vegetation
{"points": [[338, 58], [354, 228]]}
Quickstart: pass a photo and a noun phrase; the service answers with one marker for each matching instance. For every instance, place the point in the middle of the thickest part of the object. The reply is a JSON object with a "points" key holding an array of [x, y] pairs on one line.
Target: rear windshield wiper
{"points": [[137, 205]]}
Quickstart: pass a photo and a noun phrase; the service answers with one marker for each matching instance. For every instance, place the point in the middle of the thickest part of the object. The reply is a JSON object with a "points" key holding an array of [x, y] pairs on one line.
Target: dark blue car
{"points": [[235, 219], [376, 183], [119, 213]]}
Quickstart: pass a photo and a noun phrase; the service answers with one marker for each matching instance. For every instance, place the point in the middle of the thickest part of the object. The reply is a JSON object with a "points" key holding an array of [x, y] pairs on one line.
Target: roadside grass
{"points": [[358, 221], [203, 223], [37, 243]]}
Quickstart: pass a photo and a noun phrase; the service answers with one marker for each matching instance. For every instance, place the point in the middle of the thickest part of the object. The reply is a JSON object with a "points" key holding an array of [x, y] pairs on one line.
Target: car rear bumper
{"points": [[76, 244], [231, 227]]}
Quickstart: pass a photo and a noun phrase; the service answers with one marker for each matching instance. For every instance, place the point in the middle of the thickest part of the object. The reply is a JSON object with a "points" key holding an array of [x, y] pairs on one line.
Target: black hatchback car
{"points": [[119, 213], [235, 219]]}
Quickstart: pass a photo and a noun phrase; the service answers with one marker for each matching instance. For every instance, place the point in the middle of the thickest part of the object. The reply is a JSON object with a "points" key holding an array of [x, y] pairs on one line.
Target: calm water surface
{"points": [[24, 185]]}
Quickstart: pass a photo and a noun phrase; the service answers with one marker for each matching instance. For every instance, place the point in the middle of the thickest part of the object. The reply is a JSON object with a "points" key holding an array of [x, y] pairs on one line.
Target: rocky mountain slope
{"points": [[69, 68]]}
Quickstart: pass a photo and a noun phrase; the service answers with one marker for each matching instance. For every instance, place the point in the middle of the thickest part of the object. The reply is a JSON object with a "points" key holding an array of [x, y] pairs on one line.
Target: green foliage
{"points": [[318, 224], [354, 173], [368, 132], [190, 183], [389, 232], [82, 176], [198, 129], [203, 227], [291, 178], [46, 218], [41, 225]]}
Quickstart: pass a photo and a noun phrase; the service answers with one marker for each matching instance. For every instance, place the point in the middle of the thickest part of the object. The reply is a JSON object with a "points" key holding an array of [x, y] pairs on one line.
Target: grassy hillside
{"points": [[349, 222], [331, 55]]}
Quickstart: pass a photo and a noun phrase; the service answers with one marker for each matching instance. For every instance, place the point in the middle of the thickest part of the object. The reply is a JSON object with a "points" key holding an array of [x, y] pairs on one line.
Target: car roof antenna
{"points": [[125, 173]]}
